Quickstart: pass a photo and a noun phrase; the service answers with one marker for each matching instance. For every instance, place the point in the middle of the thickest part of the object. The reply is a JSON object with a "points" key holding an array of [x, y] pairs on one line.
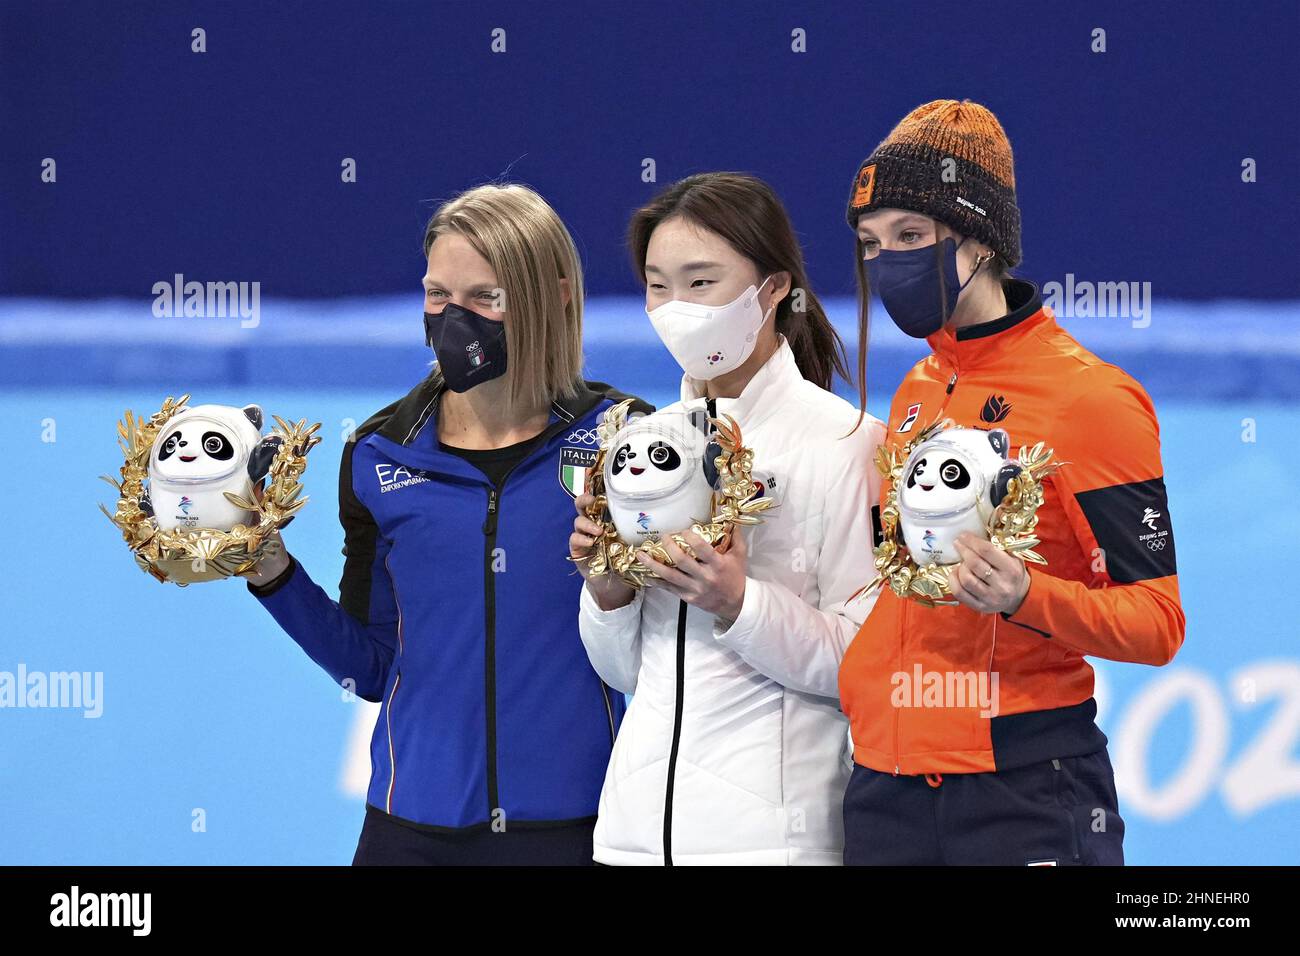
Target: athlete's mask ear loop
{"points": [[979, 261], [769, 311], [943, 279]]}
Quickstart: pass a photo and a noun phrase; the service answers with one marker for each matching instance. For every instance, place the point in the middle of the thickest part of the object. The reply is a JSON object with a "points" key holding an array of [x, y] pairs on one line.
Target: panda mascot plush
{"points": [[952, 482], [661, 474], [204, 452]]}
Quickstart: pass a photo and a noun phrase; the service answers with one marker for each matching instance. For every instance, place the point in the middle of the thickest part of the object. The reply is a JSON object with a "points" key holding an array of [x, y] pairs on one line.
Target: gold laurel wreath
{"points": [[1010, 528], [205, 554], [732, 504]]}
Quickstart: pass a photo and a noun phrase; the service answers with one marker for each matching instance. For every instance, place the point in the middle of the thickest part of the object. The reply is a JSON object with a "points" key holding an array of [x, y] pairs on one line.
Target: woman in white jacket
{"points": [[734, 749]]}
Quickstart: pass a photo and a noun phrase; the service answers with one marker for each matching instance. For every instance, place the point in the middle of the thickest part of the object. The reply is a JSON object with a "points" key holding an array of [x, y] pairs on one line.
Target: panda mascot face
{"points": [[952, 483], [660, 475], [200, 454]]}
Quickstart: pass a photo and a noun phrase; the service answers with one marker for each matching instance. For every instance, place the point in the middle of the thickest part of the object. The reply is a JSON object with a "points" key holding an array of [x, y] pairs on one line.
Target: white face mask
{"points": [[710, 340]]}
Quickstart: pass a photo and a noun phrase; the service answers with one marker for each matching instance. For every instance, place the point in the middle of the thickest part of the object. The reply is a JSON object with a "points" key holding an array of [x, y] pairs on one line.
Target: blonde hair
{"points": [[530, 250]]}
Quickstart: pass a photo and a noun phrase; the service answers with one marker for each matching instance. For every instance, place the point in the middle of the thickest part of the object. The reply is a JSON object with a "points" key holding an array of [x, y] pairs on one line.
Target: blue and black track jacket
{"points": [[457, 611]]}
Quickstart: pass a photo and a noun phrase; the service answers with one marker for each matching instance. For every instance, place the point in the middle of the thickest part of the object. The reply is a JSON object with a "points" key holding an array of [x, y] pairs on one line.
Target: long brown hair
{"points": [[744, 210]]}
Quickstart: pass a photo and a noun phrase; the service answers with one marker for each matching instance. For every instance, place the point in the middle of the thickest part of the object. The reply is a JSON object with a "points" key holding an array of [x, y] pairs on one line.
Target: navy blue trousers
{"points": [[1057, 812], [386, 842]]}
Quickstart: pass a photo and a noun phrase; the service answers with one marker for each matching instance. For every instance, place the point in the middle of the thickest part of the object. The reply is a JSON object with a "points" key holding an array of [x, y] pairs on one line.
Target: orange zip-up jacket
{"points": [[951, 690]]}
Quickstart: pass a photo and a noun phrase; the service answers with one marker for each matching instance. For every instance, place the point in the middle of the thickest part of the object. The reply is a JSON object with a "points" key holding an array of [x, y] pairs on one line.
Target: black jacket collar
{"points": [[1023, 300]]}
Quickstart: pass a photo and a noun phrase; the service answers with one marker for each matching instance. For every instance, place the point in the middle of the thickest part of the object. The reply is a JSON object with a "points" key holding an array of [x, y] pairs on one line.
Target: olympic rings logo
{"points": [[585, 436]]}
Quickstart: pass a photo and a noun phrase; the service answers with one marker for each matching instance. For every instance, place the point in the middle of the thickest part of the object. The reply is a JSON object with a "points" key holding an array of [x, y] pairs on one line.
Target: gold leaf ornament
{"points": [[1010, 527], [733, 503], [186, 556]]}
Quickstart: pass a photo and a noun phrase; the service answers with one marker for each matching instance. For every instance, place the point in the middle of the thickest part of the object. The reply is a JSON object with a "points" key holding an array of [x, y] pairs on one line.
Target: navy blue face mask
{"points": [[907, 282], [470, 349]]}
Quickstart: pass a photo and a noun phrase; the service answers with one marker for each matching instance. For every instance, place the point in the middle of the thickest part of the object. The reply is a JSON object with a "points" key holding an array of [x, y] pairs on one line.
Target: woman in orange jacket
{"points": [[974, 733]]}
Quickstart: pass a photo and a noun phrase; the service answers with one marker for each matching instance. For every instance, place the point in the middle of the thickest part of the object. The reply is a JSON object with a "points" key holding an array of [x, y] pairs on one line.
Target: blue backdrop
{"points": [[213, 738], [226, 164]]}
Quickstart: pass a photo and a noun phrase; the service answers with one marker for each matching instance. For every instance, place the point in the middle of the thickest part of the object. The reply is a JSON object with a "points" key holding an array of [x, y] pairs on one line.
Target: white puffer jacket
{"points": [[734, 749]]}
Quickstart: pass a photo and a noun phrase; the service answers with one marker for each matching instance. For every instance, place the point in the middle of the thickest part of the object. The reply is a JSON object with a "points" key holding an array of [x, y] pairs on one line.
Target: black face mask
{"points": [[470, 348]]}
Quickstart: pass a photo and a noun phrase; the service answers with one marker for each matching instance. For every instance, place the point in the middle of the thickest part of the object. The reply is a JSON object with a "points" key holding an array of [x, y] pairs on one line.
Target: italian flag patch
{"points": [[574, 462]]}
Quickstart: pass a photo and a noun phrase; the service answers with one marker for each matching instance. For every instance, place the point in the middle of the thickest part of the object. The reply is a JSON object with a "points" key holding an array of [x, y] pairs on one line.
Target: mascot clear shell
{"points": [[660, 475], [204, 452], [952, 483]]}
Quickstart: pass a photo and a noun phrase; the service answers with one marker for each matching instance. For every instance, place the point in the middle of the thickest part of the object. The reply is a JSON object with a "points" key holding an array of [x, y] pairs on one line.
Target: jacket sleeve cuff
{"points": [[617, 619], [1034, 612], [746, 621], [277, 582]]}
